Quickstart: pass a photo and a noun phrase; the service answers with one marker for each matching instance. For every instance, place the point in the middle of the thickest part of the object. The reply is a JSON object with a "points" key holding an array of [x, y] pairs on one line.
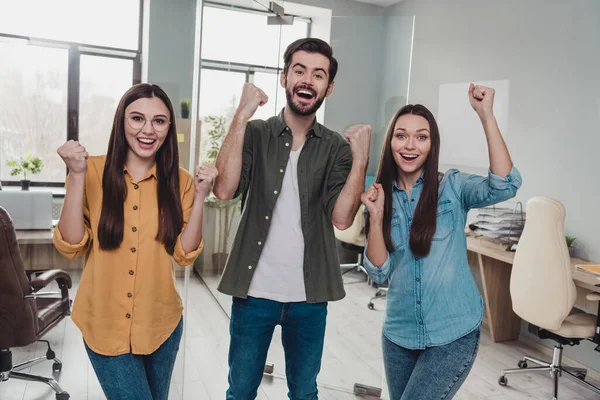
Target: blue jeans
{"points": [[251, 328], [430, 374], [138, 377]]}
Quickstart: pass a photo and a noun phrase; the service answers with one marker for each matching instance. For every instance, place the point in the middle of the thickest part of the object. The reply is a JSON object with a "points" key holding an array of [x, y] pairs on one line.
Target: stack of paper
{"points": [[499, 223], [593, 268]]}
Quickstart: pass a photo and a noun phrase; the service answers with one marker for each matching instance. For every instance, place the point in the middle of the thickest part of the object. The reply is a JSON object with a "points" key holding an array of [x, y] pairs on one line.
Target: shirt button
{"points": [[418, 280], [136, 186], [127, 315], [131, 272], [133, 249], [266, 217], [129, 295], [418, 302], [135, 207], [420, 322], [260, 243], [281, 171], [249, 266], [287, 145], [275, 192], [134, 229]]}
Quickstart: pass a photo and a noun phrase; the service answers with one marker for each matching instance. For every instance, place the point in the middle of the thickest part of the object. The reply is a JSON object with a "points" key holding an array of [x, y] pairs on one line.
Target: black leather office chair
{"points": [[26, 313]]}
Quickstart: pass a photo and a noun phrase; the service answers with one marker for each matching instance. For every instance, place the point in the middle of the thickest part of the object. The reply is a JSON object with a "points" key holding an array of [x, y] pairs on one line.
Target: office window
{"points": [[33, 107], [261, 45], [110, 23], [65, 52], [103, 80]]}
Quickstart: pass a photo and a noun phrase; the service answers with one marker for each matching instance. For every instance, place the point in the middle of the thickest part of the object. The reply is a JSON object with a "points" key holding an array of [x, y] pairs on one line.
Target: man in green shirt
{"points": [[297, 180]]}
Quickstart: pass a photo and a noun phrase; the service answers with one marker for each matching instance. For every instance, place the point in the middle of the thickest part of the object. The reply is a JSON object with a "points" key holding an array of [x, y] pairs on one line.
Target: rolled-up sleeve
{"points": [[379, 274], [338, 176], [71, 250], [187, 201], [479, 191]]}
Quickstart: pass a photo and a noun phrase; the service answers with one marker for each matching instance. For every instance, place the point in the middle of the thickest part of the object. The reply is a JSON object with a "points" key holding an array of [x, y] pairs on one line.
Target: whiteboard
{"points": [[462, 138]]}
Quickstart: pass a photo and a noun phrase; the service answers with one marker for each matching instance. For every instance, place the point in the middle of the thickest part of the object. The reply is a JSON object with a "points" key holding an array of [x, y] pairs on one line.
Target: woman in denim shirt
{"points": [[416, 240]]}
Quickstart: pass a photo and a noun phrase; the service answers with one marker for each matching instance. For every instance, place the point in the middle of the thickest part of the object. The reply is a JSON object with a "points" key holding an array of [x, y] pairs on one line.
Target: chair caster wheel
{"points": [[56, 367], [63, 396], [580, 376], [371, 306], [502, 381], [522, 364]]}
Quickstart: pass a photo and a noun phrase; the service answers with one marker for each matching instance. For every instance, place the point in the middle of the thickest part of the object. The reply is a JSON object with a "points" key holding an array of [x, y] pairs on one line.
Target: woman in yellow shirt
{"points": [[130, 213]]}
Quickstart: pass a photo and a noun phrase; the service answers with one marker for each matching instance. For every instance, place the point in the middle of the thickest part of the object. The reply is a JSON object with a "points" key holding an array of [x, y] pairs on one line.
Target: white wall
{"points": [[550, 52]]}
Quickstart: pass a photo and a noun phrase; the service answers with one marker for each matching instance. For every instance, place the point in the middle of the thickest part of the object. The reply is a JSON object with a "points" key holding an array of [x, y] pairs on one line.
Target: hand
{"points": [[204, 179], [74, 156], [252, 97], [359, 137], [482, 99], [374, 200]]}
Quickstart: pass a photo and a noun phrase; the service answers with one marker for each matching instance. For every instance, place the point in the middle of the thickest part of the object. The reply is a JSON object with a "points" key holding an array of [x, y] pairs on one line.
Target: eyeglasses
{"points": [[137, 122]]}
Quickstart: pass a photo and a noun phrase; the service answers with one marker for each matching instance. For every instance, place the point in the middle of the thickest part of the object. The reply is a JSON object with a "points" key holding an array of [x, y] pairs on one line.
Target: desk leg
{"points": [[495, 276]]}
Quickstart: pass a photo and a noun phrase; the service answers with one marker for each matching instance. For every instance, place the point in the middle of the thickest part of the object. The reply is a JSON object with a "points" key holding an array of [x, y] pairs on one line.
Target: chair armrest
{"points": [[48, 277], [593, 296]]}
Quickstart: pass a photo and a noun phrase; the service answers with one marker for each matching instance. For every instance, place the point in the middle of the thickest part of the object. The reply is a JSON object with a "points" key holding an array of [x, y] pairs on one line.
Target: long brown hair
{"points": [[114, 190], [424, 222]]}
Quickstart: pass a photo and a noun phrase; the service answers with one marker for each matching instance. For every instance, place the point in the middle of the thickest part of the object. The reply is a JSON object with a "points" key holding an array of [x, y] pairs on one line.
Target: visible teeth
{"points": [[305, 92], [146, 141], [409, 156]]}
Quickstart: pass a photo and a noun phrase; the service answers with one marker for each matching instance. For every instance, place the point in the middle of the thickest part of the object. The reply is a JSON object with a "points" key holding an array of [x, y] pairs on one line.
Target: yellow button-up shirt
{"points": [[127, 300]]}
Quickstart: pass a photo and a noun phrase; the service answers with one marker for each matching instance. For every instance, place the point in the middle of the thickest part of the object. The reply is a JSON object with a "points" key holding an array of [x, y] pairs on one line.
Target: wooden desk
{"points": [[38, 252], [495, 266]]}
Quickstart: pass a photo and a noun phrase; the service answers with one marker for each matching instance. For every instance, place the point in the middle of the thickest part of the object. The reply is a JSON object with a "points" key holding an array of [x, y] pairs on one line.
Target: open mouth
{"points": [[409, 157], [146, 143], [305, 94]]}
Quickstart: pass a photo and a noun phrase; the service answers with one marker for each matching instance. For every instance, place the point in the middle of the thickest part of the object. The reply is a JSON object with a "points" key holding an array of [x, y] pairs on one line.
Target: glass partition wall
{"points": [[374, 62]]}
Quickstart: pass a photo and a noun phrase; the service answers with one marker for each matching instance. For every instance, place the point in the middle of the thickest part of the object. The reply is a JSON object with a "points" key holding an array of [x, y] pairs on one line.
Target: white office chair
{"points": [[543, 292]]}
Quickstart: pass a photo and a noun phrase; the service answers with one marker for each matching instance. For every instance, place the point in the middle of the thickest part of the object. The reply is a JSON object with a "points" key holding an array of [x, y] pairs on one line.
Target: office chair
{"points": [[26, 313], [543, 292]]}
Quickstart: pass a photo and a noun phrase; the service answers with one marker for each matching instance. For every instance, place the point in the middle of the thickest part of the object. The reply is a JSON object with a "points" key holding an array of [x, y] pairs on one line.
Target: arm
{"points": [[503, 179], [189, 243], [348, 200], [482, 100], [71, 223], [377, 258], [72, 234], [236, 151]]}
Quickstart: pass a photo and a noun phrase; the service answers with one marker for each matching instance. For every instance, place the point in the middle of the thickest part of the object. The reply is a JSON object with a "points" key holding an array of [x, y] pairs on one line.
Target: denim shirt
{"points": [[434, 300]]}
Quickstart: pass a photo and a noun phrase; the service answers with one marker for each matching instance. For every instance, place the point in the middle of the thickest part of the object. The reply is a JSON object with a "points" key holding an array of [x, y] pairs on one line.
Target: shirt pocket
{"points": [[396, 232], [445, 221]]}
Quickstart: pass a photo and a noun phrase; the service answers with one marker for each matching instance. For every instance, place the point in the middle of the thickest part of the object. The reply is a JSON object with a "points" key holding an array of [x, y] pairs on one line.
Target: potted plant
{"points": [[24, 165], [570, 240], [185, 108]]}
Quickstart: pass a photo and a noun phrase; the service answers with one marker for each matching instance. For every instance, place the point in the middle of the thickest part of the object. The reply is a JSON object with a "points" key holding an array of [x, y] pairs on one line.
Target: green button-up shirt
{"points": [[323, 167]]}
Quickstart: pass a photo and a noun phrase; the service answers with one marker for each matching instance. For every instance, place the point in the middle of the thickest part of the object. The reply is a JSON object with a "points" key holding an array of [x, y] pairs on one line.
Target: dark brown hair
{"points": [[311, 45], [424, 222], [114, 190]]}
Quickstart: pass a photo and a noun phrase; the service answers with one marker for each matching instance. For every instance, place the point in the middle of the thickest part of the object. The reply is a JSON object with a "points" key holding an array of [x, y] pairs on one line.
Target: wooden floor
{"points": [[352, 355]]}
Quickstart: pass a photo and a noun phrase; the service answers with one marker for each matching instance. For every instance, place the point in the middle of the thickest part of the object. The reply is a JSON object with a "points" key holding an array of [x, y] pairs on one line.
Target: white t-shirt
{"points": [[279, 274]]}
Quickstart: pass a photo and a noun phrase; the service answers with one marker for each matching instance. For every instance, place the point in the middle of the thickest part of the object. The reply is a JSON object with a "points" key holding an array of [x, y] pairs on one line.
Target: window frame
{"points": [[75, 51]]}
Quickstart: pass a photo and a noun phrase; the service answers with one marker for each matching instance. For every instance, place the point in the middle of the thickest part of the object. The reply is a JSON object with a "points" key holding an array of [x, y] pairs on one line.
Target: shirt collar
{"points": [[151, 173], [281, 126], [419, 181]]}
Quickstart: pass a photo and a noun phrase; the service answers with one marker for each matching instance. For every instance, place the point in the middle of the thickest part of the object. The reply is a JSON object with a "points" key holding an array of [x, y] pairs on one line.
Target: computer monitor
{"points": [[29, 210]]}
